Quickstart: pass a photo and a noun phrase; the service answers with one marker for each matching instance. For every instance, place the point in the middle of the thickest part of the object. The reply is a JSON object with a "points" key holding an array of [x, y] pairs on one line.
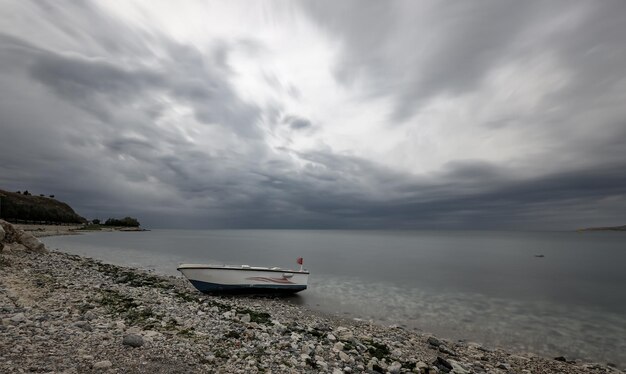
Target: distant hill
{"points": [[612, 228], [18, 207]]}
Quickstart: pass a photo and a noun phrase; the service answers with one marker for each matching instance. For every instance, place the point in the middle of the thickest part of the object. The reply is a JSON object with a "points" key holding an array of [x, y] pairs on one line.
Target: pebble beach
{"points": [[63, 313]]}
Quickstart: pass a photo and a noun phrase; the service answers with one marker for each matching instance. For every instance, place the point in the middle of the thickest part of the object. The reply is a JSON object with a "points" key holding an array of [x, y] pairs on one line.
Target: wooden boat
{"points": [[245, 278]]}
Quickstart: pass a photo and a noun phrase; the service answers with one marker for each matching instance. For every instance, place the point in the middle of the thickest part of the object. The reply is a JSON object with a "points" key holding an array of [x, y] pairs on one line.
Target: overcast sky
{"points": [[319, 114]]}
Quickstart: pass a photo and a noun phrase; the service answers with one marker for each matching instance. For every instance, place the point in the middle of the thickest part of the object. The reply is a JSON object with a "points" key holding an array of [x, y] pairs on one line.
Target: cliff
{"points": [[18, 207]]}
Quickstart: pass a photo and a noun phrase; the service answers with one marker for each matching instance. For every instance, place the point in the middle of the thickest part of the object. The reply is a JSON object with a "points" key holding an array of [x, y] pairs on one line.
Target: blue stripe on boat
{"points": [[207, 287]]}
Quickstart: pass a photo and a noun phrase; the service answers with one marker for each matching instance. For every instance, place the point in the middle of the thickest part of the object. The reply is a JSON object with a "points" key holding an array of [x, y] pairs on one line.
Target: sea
{"points": [[548, 293]]}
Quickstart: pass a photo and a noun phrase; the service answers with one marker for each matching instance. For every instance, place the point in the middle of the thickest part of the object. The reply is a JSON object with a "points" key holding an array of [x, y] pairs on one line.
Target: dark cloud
{"points": [[415, 51], [117, 118], [99, 86], [297, 123]]}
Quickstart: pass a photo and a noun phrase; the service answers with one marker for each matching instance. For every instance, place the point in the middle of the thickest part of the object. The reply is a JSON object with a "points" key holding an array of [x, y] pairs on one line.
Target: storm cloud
{"points": [[401, 114]]}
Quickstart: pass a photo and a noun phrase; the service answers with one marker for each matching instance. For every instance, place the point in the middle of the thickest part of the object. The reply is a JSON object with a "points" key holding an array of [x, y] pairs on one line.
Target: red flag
{"points": [[300, 261]]}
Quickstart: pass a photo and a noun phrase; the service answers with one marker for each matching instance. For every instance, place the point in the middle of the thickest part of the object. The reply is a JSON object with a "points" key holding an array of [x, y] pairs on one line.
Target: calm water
{"points": [[483, 286]]}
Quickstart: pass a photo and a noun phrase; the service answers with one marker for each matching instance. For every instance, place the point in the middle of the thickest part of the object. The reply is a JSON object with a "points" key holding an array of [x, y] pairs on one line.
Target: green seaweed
{"points": [[186, 296], [257, 317], [188, 332], [132, 278], [347, 346], [232, 334], [126, 307]]}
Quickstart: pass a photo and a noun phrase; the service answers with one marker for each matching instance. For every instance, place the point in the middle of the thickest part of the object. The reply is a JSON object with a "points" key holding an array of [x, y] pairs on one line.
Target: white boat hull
{"points": [[244, 279]]}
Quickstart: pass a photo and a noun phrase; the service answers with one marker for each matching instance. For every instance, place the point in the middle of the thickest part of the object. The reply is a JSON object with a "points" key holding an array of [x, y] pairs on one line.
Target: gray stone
{"points": [[245, 318], [421, 365], [2, 233], [19, 317], [15, 247], [458, 368], [446, 350], [443, 364], [433, 341], [395, 367], [344, 357], [133, 340], [101, 365], [503, 366], [344, 334], [30, 242], [83, 325]]}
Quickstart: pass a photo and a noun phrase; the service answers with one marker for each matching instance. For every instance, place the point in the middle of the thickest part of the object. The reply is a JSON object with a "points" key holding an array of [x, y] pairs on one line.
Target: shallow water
{"points": [[484, 286]]}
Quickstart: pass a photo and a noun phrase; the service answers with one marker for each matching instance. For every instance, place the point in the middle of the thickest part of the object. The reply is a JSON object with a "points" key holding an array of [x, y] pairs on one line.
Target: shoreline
{"points": [[63, 312], [41, 231]]}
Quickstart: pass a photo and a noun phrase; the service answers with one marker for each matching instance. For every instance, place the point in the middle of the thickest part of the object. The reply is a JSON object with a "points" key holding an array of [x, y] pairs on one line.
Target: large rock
{"points": [[30, 242], [19, 238], [9, 231], [15, 247]]}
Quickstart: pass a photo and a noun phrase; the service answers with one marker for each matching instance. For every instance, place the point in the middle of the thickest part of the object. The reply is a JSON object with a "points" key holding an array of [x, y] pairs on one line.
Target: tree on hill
{"points": [[126, 221]]}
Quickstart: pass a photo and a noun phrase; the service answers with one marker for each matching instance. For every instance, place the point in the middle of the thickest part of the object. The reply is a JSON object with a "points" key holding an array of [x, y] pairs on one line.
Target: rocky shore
{"points": [[62, 313], [41, 231]]}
